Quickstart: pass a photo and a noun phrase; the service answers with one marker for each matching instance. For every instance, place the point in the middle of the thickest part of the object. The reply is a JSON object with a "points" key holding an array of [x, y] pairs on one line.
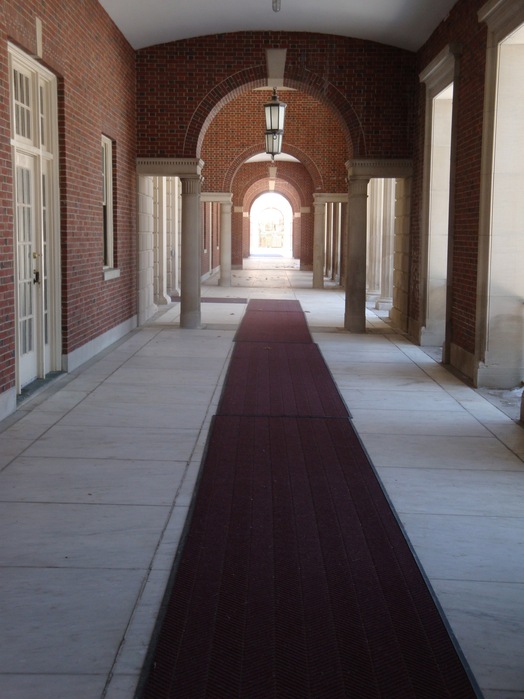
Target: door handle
{"points": [[36, 276]]}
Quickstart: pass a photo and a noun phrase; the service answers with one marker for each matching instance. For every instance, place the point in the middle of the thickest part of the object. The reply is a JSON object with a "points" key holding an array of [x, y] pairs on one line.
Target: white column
{"points": [[190, 316], [374, 237], [173, 235], [399, 311], [355, 310], [225, 242], [318, 241], [328, 262], [160, 242], [385, 301], [145, 221]]}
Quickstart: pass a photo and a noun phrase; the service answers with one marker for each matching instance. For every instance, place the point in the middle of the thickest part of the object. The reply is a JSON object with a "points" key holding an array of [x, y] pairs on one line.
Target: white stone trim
{"points": [[83, 354], [7, 403], [111, 273]]}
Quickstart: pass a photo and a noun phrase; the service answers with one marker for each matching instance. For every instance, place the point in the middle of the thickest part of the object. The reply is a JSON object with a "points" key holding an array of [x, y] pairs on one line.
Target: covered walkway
{"points": [[99, 468]]}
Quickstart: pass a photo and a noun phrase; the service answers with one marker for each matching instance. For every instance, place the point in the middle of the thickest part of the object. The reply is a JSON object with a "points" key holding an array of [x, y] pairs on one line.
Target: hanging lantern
{"points": [[275, 112]]}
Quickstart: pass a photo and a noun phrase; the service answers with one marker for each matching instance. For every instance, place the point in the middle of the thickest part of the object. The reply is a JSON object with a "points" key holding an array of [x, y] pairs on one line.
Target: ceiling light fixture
{"points": [[276, 5], [275, 112]]}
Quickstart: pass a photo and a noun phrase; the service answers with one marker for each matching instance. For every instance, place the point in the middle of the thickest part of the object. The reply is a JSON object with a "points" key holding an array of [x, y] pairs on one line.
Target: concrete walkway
{"points": [[98, 469]]}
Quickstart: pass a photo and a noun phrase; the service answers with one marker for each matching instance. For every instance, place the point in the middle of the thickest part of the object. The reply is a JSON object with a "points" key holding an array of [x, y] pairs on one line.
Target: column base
{"points": [[190, 320], [355, 325]]}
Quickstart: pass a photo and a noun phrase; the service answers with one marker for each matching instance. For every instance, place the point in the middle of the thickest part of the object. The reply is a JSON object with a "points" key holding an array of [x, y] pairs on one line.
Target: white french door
{"points": [[36, 225], [27, 274]]}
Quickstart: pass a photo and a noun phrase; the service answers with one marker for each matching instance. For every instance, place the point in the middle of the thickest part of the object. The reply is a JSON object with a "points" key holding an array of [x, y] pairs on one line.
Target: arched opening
{"points": [[438, 218], [271, 226], [503, 365], [437, 198]]}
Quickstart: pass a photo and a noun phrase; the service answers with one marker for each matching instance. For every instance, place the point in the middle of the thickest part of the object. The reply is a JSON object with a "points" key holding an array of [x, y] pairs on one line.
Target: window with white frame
{"points": [[107, 203]]}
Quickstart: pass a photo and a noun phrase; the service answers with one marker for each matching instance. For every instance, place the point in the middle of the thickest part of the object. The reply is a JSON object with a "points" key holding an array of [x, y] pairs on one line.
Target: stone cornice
{"points": [[170, 167], [327, 198], [220, 197], [440, 71], [502, 16], [371, 167]]}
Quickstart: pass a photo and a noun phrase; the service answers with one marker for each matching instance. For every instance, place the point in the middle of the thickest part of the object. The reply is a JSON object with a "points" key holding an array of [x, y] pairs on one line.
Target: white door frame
{"points": [[37, 143]]}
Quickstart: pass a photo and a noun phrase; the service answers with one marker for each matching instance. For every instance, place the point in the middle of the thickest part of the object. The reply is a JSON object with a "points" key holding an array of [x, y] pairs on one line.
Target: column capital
{"points": [[191, 185], [358, 187]]}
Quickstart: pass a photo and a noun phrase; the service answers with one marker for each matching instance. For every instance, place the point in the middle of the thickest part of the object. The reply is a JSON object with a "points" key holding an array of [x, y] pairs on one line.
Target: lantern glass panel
{"points": [[275, 112], [273, 142]]}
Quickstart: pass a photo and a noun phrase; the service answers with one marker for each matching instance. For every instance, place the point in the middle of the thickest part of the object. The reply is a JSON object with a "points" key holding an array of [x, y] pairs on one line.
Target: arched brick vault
{"points": [[292, 181], [181, 87], [238, 103], [313, 135], [299, 154], [215, 100], [261, 186]]}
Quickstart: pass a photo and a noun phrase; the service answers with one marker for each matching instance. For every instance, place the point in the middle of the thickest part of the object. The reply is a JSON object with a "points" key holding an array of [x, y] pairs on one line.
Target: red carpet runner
{"points": [[295, 579]]}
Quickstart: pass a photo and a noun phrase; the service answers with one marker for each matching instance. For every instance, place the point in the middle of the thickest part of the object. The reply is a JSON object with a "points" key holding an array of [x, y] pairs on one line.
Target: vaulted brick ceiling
{"points": [[403, 23]]}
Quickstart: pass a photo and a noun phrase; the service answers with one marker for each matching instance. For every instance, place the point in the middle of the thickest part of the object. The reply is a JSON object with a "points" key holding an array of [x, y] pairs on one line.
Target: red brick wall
{"points": [[95, 67], [183, 85], [461, 26]]}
